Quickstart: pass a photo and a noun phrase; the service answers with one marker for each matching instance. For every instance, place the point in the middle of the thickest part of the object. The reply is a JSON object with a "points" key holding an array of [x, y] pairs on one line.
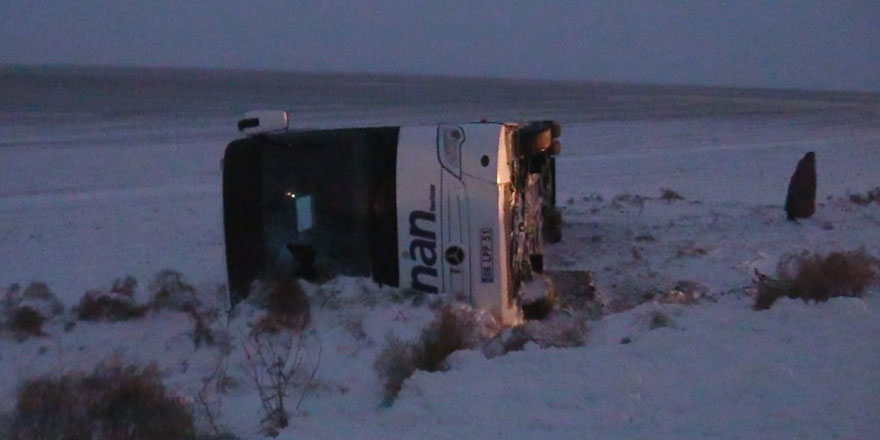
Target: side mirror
{"points": [[263, 121]]}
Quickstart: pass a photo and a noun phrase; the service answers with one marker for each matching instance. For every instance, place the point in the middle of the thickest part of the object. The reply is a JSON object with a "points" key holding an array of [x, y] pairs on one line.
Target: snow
{"points": [[720, 371], [89, 201]]}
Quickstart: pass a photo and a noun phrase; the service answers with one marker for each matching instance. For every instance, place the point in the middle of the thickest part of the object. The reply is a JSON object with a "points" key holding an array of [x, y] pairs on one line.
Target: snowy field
{"points": [[88, 200]]}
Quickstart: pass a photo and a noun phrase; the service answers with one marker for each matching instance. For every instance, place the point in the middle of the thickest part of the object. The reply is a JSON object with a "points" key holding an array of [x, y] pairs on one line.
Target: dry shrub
{"points": [[645, 237], [872, 196], [657, 319], [36, 295], [278, 363], [768, 290], [23, 312], [202, 332], [669, 195], [450, 331], [634, 200], [286, 304], [690, 249], [9, 299], [116, 305], [208, 401], [50, 409], [99, 306], [111, 403], [816, 277], [124, 286], [275, 349], [394, 365], [170, 291], [26, 321], [38, 290]]}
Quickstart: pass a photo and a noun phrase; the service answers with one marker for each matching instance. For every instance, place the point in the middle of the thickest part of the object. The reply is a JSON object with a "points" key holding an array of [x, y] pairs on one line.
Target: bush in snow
{"points": [[118, 304], [394, 365], [202, 332], [817, 277], [634, 200], [286, 304], [170, 291], [124, 286], [112, 402], [100, 306], [872, 196], [669, 195], [25, 311], [36, 295], [277, 363], [450, 331], [26, 322], [656, 319], [275, 350]]}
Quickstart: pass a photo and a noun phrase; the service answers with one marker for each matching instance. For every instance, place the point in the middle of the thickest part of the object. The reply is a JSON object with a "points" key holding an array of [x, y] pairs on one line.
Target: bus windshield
{"points": [[311, 205]]}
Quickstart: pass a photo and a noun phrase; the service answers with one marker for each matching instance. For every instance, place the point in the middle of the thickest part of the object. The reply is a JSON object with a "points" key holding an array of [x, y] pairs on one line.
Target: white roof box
{"points": [[263, 121]]}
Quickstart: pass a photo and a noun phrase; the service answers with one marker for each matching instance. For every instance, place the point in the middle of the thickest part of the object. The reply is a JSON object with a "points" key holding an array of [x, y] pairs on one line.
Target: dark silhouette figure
{"points": [[800, 202], [305, 256]]}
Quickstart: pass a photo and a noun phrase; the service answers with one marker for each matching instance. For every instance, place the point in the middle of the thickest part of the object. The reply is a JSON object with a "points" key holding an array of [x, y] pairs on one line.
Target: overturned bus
{"points": [[461, 210]]}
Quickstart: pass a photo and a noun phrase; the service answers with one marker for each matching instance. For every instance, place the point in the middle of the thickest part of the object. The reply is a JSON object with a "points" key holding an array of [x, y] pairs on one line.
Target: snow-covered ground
{"points": [[79, 209]]}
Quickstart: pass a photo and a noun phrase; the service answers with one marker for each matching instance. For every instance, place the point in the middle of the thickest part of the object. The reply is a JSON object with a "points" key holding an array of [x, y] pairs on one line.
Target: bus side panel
{"points": [[419, 209]]}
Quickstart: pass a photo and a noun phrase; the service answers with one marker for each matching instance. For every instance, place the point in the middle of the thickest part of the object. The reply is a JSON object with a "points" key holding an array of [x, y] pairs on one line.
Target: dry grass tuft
{"points": [[394, 364], [23, 312], [872, 196], [286, 304], [669, 195], [657, 319], [124, 286], [38, 290], [171, 291], [111, 403], [450, 331], [26, 322], [99, 306], [814, 277], [633, 200]]}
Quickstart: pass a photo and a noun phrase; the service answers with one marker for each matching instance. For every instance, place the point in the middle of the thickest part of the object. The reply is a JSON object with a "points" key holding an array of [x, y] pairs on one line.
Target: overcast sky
{"points": [[771, 43]]}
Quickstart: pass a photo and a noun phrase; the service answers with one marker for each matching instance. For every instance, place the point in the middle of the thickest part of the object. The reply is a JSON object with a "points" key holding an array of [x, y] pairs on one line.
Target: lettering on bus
{"points": [[487, 271], [423, 247]]}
